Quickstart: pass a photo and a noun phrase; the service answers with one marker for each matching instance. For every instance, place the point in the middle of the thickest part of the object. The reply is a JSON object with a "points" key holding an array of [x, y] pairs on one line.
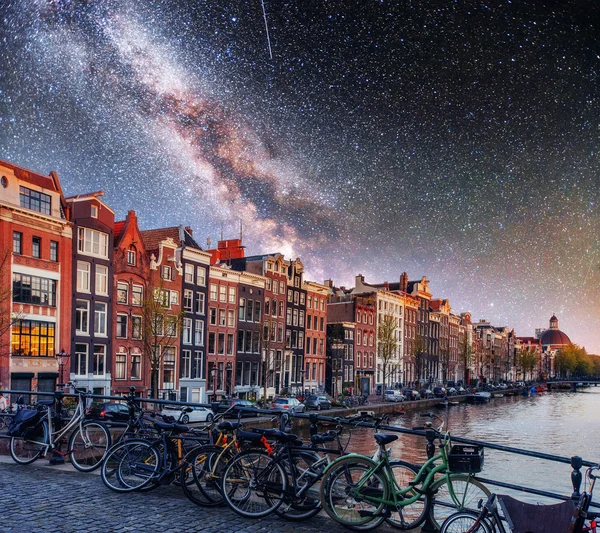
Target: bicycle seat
{"points": [[45, 402], [531, 518], [385, 438], [176, 428], [321, 438], [248, 435], [228, 426]]}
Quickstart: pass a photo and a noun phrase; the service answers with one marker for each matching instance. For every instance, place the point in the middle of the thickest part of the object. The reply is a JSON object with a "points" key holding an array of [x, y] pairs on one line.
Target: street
{"points": [[43, 499]]}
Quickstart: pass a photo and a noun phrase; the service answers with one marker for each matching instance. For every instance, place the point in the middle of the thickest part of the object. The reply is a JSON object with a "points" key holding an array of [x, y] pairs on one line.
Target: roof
{"points": [[554, 337], [118, 229], [30, 176], [153, 237]]}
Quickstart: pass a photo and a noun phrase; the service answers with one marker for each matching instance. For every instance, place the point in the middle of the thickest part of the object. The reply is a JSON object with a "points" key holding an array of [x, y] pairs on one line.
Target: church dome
{"points": [[553, 335]]}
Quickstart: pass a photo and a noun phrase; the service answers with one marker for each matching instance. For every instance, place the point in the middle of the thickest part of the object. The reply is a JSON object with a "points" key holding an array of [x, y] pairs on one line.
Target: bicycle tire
{"points": [[130, 466], [468, 491], [344, 508], [464, 521], [88, 449], [413, 515], [298, 508], [254, 484], [205, 486], [25, 451]]}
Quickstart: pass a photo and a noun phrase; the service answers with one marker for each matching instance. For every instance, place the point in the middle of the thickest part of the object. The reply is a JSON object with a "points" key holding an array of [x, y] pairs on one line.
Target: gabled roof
{"points": [[153, 237], [118, 229]]}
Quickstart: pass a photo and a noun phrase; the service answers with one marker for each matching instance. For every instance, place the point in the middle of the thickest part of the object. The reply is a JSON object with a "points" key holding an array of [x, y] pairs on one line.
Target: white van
{"points": [[394, 396]]}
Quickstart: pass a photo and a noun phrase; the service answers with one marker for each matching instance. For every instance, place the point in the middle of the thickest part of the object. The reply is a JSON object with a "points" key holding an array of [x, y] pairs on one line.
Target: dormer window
{"points": [[94, 211]]}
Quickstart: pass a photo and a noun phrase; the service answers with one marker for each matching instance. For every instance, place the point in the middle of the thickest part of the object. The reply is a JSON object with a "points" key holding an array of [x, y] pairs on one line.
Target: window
{"points": [[82, 317], [83, 276], [242, 309], [289, 316], [281, 287], [322, 304], [230, 344], [94, 211], [198, 365], [131, 256], [212, 316], [300, 339], [231, 295], [199, 333], [188, 275], [121, 326], [158, 324], [301, 319], [136, 366], [308, 321], [322, 323], [186, 363], [296, 296], [92, 242], [33, 338], [295, 320], [230, 318], [201, 276], [99, 363], [34, 290], [120, 365], [221, 345], [250, 311], [240, 340], [53, 251], [211, 342], [213, 291], [162, 296], [188, 298], [137, 295], [101, 279], [174, 296], [248, 342], [358, 337], [17, 242], [171, 326], [122, 292], [165, 272], [275, 287], [81, 359], [169, 368], [302, 298], [257, 307], [274, 308], [37, 201], [222, 293], [36, 244], [268, 284], [221, 317], [187, 330], [290, 296], [136, 327], [309, 301], [100, 318], [200, 301]]}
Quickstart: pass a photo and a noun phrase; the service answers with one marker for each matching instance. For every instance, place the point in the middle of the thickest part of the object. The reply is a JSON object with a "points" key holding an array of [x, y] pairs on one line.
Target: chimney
{"points": [[404, 282], [328, 283]]}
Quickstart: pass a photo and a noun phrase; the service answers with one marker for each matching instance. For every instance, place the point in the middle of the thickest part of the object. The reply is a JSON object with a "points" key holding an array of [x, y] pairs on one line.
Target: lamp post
{"points": [[213, 373], [62, 360], [228, 376], [302, 372]]}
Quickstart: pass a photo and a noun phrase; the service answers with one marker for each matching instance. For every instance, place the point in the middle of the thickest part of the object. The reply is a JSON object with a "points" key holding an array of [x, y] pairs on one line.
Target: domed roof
{"points": [[555, 336]]}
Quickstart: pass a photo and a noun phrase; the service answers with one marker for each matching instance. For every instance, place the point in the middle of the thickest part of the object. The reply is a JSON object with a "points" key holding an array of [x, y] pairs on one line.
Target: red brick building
{"points": [[316, 337], [35, 302]]}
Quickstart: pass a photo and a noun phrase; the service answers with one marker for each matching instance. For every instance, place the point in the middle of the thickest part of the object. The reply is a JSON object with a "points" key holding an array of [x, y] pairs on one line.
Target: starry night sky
{"points": [[453, 139]]}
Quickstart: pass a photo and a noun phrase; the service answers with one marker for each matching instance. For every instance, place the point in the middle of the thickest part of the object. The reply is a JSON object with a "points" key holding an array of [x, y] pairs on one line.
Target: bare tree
{"points": [[465, 355], [8, 317], [387, 346], [420, 357], [445, 363], [161, 327], [269, 363]]}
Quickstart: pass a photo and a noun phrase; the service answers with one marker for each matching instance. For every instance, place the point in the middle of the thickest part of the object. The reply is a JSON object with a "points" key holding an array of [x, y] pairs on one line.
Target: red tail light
{"points": [[286, 406], [231, 404], [102, 413]]}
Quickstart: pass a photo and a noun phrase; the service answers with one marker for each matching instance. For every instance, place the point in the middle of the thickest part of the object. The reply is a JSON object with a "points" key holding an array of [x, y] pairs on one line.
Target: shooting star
{"points": [[267, 28]]}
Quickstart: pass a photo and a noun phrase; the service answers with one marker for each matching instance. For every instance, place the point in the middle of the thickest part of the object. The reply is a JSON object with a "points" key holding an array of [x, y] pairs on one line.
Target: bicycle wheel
{"points": [[254, 484], [348, 505], [200, 478], [409, 516], [25, 450], [302, 500], [130, 466], [88, 445], [464, 521], [456, 492]]}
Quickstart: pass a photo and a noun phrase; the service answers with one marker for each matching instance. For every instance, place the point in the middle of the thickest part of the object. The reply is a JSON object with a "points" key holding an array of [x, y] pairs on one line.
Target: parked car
{"points": [[392, 395], [461, 390], [426, 393], [237, 404], [185, 414], [288, 404], [411, 394], [111, 412], [452, 391], [439, 392], [317, 402]]}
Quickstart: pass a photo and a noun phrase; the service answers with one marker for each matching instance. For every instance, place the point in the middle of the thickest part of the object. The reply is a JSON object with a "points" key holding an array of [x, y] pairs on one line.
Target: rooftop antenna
{"points": [[241, 230]]}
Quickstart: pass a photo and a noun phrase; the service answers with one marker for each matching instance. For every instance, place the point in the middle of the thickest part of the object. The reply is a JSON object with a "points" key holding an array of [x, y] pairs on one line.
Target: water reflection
{"points": [[560, 423]]}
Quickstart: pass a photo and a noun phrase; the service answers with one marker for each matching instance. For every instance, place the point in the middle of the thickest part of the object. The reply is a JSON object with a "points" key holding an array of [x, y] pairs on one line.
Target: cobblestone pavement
{"points": [[42, 499]]}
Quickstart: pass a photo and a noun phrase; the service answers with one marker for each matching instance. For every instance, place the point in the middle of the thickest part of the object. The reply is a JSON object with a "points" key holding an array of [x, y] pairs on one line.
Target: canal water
{"points": [[558, 423]]}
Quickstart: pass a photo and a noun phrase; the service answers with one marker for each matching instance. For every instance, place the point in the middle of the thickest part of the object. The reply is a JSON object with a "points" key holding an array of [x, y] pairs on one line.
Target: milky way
{"points": [[456, 140]]}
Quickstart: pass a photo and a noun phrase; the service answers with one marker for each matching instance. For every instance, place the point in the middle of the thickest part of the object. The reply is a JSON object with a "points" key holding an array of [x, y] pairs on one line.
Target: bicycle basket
{"points": [[465, 459]]}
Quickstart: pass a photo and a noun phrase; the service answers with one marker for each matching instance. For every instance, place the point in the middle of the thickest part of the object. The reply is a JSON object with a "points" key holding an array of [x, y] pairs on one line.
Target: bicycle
{"points": [[87, 440], [5, 419], [521, 517], [360, 492]]}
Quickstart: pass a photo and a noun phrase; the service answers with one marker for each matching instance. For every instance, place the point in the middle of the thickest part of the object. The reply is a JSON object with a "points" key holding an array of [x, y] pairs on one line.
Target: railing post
{"points": [[576, 463]]}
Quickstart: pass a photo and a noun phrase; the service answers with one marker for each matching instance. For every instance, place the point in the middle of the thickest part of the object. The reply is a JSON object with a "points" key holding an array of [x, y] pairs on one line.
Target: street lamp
{"points": [[62, 360]]}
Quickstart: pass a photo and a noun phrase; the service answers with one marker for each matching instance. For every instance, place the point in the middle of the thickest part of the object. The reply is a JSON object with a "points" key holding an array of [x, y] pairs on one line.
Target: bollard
{"points": [[576, 463]]}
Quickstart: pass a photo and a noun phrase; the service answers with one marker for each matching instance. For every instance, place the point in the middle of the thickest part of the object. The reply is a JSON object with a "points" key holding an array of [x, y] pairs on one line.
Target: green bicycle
{"points": [[360, 492]]}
